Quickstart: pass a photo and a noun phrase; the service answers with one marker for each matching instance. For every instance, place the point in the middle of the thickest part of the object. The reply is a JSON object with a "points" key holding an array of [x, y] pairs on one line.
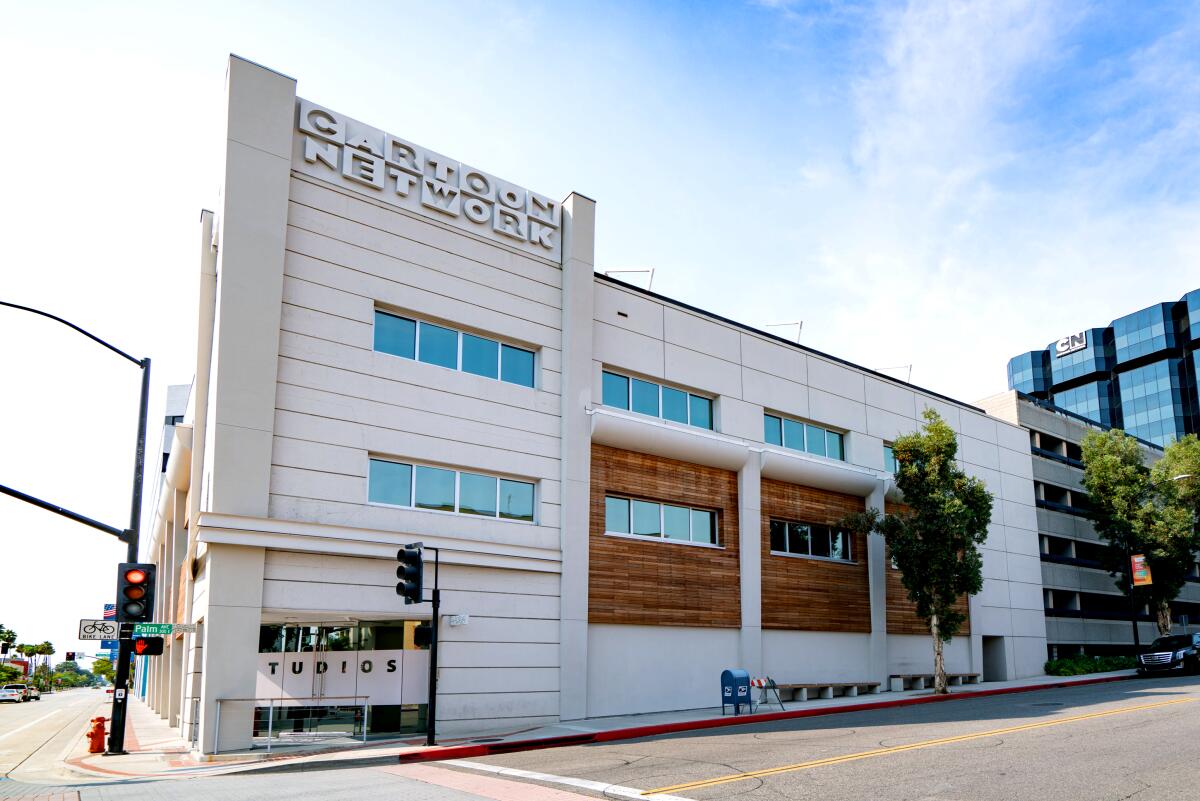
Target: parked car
{"points": [[35, 694], [10, 693], [1176, 652], [21, 688]]}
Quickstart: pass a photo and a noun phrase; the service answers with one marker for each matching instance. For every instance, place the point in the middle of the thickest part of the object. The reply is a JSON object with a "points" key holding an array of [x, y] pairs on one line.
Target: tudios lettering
{"points": [[404, 174], [365, 666]]}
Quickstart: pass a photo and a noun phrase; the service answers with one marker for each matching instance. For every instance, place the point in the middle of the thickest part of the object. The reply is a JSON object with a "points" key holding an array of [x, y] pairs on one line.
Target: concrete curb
{"points": [[436, 754]]}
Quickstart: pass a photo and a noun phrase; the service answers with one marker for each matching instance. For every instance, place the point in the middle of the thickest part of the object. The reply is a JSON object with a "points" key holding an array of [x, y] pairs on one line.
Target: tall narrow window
{"points": [[438, 346]]}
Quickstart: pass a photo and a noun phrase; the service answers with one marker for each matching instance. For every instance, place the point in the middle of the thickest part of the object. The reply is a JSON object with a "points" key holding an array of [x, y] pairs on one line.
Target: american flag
{"points": [[110, 611]]}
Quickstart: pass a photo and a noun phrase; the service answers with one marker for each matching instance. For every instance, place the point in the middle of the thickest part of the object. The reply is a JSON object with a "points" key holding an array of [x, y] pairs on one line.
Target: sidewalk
{"points": [[156, 750]]}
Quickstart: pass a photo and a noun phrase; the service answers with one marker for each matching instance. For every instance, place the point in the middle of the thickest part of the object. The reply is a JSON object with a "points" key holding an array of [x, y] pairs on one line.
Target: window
{"points": [[455, 350], [809, 539], [803, 437], [660, 520], [889, 460], [444, 490], [646, 397]]}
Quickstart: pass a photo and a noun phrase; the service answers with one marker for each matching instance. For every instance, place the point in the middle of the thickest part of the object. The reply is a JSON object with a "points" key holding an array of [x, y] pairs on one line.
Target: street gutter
{"points": [[469, 751]]}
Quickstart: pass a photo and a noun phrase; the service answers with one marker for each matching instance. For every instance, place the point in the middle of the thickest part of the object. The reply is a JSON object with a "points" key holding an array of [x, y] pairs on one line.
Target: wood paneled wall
{"points": [[901, 612], [813, 594], [660, 583]]}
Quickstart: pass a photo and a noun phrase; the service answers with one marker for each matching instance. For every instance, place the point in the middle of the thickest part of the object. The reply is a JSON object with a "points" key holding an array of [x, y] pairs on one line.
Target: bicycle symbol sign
{"points": [[98, 629]]}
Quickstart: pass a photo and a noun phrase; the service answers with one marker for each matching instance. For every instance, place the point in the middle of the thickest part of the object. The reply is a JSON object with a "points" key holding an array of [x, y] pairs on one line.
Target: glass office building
{"points": [[1137, 374]]}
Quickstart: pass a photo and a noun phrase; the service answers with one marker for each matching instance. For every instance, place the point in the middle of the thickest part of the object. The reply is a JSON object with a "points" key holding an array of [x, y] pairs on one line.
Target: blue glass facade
{"points": [[1137, 374]]}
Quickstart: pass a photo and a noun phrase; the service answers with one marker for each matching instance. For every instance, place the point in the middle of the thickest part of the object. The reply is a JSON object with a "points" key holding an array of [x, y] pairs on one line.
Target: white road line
{"points": [[27, 725], [570, 781]]}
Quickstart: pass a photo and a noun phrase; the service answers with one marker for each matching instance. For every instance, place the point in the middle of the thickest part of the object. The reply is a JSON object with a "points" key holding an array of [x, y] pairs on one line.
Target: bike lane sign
{"points": [[98, 629]]}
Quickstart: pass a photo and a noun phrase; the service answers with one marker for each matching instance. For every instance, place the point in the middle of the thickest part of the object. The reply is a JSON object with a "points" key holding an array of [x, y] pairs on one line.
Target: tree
{"points": [[104, 669], [69, 674], [7, 635], [1153, 512], [934, 542]]}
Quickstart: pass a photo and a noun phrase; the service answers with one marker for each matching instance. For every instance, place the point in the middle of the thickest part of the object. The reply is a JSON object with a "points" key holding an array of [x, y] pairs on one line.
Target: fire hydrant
{"points": [[95, 736]]}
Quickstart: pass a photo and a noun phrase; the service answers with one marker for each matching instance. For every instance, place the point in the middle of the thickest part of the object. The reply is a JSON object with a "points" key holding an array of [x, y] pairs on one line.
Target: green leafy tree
{"points": [[934, 542], [104, 669], [9, 674], [69, 674], [1139, 510], [7, 635]]}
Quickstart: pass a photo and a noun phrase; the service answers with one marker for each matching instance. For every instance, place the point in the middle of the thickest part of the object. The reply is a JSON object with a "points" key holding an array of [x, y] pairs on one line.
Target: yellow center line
{"points": [[816, 763]]}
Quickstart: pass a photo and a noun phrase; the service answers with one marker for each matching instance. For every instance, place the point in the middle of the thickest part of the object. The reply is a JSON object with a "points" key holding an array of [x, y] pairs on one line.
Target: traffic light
{"points": [[70, 656], [410, 571], [3, 648], [422, 635], [147, 646], [135, 592]]}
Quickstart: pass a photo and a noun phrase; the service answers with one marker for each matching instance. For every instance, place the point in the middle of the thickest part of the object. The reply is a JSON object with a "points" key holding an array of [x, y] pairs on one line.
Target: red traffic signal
{"points": [[147, 646], [135, 592], [70, 656]]}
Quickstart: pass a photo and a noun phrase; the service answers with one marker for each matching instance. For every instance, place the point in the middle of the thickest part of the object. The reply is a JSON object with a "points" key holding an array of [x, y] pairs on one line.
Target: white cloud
{"points": [[956, 231]]}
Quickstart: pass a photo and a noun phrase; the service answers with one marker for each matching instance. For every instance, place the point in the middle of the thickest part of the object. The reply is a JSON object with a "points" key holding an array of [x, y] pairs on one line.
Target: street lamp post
{"points": [[130, 536]]}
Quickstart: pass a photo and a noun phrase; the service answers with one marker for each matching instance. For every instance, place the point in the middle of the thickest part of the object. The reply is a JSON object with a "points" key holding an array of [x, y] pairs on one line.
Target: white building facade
{"points": [[629, 494]]}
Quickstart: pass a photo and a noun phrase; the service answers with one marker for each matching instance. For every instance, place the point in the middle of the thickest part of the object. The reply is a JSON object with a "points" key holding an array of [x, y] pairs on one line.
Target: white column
{"points": [[579, 229], [232, 618], [253, 224], [750, 570], [877, 582]]}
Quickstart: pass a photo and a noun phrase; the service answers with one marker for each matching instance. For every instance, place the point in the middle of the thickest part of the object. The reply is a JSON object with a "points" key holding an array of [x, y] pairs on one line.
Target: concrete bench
{"points": [[919, 681], [802, 692]]}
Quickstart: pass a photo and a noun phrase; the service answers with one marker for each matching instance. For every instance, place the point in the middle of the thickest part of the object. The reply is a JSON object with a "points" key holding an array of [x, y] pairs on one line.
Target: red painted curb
{"points": [[436, 754]]}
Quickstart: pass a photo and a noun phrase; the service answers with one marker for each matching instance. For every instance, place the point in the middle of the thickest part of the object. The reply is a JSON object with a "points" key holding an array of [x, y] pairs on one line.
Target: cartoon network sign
{"points": [[1070, 344], [387, 677], [334, 147]]}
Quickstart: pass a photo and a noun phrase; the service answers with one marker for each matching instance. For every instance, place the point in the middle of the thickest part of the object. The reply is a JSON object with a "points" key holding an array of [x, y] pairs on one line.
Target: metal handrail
{"points": [[271, 712]]}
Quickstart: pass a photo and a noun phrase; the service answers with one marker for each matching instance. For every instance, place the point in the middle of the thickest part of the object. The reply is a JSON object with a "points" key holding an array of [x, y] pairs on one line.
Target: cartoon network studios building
{"points": [[629, 494]]}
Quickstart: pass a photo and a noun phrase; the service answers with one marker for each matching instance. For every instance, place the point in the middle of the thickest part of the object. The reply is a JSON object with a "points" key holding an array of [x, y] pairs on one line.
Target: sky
{"points": [[935, 186]]}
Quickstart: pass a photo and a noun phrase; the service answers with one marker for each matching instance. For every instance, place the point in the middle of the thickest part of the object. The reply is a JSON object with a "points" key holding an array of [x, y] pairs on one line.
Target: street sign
{"points": [[108, 645], [162, 629], [98, 630], [1141, 570]]}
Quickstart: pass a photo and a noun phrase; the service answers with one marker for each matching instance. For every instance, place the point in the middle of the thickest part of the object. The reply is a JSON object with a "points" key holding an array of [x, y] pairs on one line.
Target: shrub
{"points": [[1078, 665]]}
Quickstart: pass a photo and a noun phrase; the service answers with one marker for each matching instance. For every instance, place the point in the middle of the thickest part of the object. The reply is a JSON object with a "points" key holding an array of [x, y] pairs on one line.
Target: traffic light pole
{"points": [[431, 707], [116, 739], [116, 731]]}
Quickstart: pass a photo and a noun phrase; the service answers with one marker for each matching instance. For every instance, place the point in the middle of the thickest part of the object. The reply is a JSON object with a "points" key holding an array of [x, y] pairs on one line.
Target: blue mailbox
{"points": [[735, 689]]}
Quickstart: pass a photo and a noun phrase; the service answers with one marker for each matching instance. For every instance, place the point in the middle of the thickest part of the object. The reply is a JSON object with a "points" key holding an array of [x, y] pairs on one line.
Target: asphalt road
{"points": [[1132, 739], [37, 733]]}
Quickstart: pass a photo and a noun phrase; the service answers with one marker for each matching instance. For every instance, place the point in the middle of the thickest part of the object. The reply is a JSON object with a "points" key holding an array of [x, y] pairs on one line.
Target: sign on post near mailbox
{"points": [[735, 689]]}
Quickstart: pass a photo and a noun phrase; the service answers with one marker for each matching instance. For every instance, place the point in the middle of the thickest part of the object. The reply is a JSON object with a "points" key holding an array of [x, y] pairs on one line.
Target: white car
{"points": [[11, 694]]}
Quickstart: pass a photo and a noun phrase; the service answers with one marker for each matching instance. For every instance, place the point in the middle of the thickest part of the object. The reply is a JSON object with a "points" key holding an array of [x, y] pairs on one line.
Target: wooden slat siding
{"points": [[662, 583], [901, 612], [813, 594]]}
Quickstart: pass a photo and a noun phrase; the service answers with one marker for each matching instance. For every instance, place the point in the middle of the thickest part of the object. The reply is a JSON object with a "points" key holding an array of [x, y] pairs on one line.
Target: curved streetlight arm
{"points": [[69, 324]]}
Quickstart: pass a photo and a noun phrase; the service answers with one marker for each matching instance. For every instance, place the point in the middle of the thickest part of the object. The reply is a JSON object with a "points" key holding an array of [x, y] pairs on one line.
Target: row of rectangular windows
{"points": [[440, 489], [809, 539], [456, 350], [646, 397], [660, 520], [802, 437]]}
